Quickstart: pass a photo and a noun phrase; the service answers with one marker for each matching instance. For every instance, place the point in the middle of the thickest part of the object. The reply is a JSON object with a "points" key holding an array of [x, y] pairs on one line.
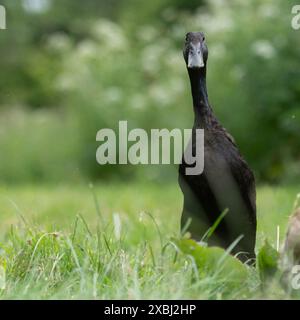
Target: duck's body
{"points": [[226, 182]]}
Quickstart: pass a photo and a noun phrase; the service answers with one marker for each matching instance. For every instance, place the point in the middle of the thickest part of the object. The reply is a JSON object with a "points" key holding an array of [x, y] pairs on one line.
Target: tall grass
{"points": [[56, 243]]}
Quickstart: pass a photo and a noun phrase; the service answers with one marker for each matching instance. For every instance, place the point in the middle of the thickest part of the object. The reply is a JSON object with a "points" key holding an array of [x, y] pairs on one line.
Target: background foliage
{"points": [[68, 70]]}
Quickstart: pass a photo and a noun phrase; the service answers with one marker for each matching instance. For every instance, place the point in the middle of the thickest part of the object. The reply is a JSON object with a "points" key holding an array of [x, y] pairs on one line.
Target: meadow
{"points": [[71, 70], [118, 241]]}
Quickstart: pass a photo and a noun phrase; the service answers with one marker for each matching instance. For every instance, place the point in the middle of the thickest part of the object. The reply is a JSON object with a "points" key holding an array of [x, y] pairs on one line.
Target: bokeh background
{"points": [[71, 228], [69, 68]]}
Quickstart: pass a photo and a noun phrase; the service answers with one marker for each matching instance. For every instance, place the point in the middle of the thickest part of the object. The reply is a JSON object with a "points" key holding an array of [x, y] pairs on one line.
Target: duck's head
{"points": [[195, 51]]}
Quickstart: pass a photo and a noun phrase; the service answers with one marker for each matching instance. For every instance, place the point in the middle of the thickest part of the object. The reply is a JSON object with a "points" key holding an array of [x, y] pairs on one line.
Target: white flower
{"points": [[86, 49], [64, 82], [214, 24], [151, 56], [110, 34], [268, 10], [113, 94], [59, 41], [264, 49], [223, 23], [217, 4]]}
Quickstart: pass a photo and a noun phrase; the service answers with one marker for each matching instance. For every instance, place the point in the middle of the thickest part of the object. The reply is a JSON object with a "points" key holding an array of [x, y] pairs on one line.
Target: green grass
{"points": [[58, 242]]}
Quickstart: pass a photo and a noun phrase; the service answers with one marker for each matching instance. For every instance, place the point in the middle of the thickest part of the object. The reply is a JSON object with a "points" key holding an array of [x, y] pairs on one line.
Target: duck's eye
{"points": [[203, 39]]}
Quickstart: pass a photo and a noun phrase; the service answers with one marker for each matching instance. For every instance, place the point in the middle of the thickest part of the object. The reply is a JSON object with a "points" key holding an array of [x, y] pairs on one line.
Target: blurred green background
{"points": [[69, 68]]}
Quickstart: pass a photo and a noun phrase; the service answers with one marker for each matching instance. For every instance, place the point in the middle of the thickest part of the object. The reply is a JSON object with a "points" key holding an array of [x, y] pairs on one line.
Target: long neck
{"points": [[202, 109]]}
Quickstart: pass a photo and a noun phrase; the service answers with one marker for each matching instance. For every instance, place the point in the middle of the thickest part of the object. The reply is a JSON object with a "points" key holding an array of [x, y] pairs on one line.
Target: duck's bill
{"points": [[195, 59]]}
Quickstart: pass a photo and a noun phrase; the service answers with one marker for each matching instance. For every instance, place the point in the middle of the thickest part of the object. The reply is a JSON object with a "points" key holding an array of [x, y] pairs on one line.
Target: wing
{"points": [[246, 182], [242, 175]]}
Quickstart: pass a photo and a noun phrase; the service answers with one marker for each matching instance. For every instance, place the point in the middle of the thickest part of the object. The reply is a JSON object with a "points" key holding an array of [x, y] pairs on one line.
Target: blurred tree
{"points": [[29, 69], [98, 62]]}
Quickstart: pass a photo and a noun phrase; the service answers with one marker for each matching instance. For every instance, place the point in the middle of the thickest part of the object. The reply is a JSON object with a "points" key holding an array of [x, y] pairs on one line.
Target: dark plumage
{"points": [[227, 181]]}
